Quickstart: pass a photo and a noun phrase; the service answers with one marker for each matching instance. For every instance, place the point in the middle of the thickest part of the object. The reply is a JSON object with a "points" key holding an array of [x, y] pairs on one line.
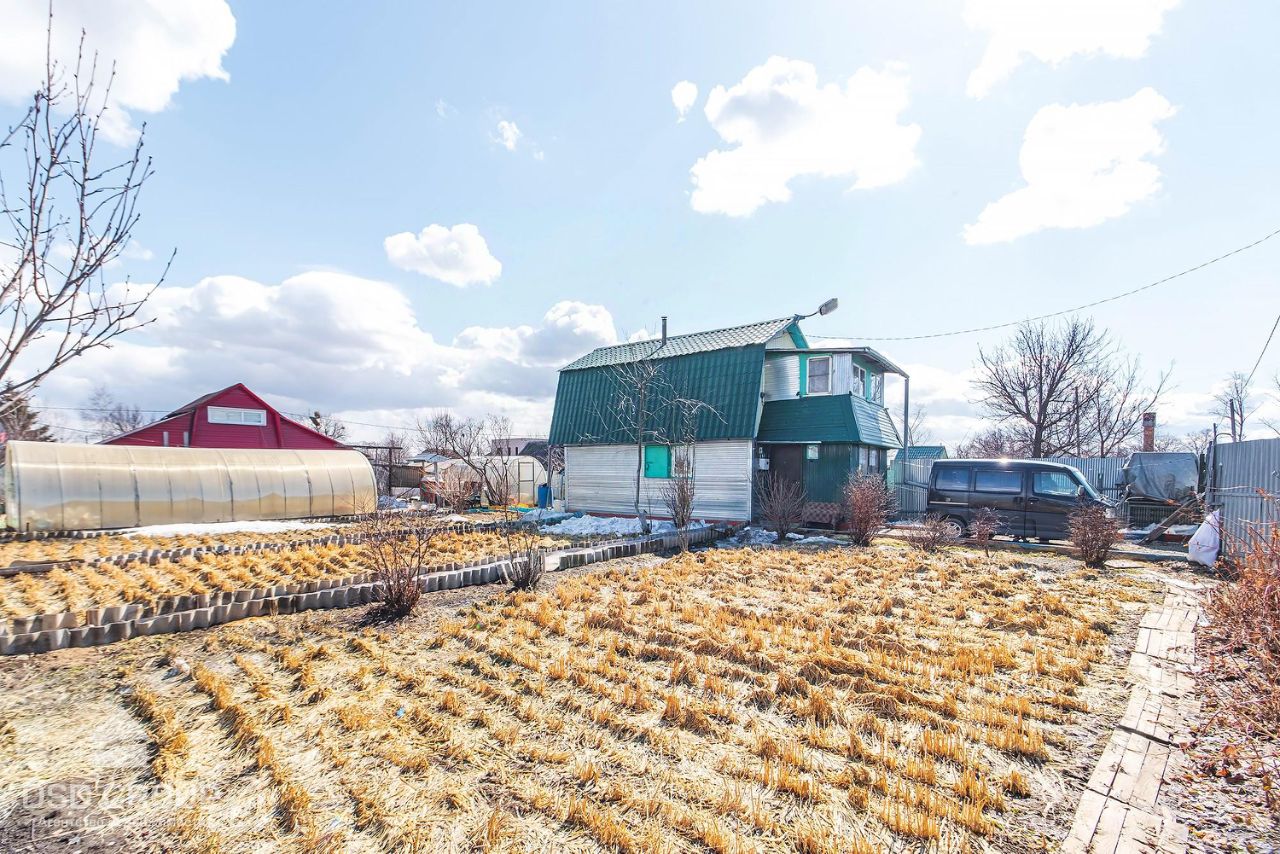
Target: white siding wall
{"points": [[781, 379], [601, 479], [782, 376]]}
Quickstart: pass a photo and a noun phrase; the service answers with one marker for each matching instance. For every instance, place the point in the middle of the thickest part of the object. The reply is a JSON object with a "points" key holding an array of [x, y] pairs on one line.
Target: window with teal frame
{"points": [[657, 461]]}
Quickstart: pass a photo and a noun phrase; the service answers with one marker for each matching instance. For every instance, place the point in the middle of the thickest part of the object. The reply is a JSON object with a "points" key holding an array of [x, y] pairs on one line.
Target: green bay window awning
{"points": [[828, 418]]}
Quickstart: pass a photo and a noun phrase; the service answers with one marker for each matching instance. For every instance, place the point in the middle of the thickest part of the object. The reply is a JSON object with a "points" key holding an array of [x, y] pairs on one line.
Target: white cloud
{"points": [[1083, 164], [785, 125], [338, 342], [156, 46], [1053, 31], [684, 95], [444, 109], [458, 255], [508, 135]]}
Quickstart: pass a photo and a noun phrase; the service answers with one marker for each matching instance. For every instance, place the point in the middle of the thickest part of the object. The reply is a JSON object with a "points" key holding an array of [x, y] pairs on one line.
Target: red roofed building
{"points": [[232, 418]]}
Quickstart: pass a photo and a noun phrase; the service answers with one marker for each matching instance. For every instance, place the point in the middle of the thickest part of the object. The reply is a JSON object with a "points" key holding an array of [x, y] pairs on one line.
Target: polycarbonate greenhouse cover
{"points": [[1162, 476], [64, 487]]}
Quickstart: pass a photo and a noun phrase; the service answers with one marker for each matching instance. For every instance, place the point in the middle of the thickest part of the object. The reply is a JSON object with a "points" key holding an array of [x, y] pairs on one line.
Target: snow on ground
{"points": [[606, 526], [754, 537], [760, 537], [263, 526]]}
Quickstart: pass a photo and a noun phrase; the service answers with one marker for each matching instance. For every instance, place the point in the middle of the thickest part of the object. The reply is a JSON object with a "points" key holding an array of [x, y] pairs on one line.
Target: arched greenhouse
{"points": [[64, 487]]}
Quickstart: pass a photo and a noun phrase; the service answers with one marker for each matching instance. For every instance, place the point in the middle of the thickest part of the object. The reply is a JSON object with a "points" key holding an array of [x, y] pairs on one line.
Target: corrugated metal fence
{"points": [[1103, 474], [1246, 488]]}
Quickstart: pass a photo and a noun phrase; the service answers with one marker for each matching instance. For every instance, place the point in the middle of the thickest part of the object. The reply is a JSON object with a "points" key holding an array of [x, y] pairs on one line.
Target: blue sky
{"points": [[280, 184]]}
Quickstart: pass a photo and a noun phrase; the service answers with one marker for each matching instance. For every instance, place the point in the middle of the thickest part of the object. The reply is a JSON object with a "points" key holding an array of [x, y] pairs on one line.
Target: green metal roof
{"points": [[926, 452], [726, 379], [683, 345], [827, 418]]}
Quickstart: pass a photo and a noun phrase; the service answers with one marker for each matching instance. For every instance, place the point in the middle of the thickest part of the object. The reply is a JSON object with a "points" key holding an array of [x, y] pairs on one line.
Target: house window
{"points": [[657, 461], [811, 452], [819, 375], [877, 388], [859, 381], [864, 459], [231, 415]]}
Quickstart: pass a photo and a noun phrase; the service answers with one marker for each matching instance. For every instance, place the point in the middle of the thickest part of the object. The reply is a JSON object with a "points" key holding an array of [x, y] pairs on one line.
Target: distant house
{"points": [[812, 414], [231, 418], [922, 453]]}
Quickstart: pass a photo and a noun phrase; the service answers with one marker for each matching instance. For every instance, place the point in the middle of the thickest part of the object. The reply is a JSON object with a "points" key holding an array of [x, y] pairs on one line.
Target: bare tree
{"points": [[110, 417], [645, 408], [1064, 389], [1234, 404], [993, 443], [483, 445], [67, 217], [918, 432], [455, 486], [1197, 441], [20, 421], [1116, 401], [327, 425]]}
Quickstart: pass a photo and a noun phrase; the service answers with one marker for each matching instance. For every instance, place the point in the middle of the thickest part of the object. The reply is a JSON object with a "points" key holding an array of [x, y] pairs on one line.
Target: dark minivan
{"points": [[1032, 498]]}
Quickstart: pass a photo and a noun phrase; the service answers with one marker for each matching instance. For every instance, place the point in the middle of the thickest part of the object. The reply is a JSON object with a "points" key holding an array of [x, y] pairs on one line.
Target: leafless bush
{"points": [[1094, 533], [526, 560], [455, 487], [1244, 642], [781, 503], [677, 494], [931, 534], [396, 546], [867, 504], [985, 525]]}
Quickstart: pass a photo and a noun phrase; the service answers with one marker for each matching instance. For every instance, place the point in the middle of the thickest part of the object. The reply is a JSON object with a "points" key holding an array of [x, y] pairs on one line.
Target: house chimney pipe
{"points": [[664, 329]]}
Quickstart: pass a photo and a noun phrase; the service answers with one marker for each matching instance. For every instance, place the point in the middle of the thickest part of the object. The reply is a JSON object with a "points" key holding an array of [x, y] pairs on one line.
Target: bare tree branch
{"points": [[66, 220]]}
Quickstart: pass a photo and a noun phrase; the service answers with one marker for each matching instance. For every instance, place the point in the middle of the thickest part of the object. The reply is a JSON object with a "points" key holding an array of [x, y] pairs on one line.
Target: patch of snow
{"points": [[818, 541], [262, 526], [607, 526], [754, 537]]}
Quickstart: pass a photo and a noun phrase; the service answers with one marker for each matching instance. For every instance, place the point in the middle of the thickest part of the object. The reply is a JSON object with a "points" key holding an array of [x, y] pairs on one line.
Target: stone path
{"points": [[1121, 809]]}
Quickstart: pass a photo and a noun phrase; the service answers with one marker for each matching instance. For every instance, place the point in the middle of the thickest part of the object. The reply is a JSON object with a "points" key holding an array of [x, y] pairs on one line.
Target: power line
{"points": [[1264, 351], [1094, 304]]}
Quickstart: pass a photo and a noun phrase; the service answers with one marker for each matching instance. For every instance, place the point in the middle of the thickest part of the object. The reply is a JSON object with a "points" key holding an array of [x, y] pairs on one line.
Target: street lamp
{"points": [[824, 309]]}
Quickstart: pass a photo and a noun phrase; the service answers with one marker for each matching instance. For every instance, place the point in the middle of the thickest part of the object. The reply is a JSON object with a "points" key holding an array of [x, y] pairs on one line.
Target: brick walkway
{"points": [[1121, 810]]}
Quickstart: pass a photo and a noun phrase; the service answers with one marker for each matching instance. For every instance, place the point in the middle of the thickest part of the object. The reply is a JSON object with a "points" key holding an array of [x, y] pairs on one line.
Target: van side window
{"points": [[997, 480], [1054, 484], [952, 478]]}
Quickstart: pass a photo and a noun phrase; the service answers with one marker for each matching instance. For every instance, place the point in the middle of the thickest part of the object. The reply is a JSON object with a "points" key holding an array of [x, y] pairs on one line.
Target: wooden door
{"points": [[787, 462]]}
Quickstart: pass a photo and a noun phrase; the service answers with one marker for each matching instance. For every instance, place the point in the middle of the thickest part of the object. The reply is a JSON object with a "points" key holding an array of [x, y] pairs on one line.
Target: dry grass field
{"points": [[728, 700], [77, 587]]}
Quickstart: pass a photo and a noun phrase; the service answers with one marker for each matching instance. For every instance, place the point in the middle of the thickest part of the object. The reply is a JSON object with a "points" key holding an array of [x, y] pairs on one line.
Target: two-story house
{"points": [[735, 402]]}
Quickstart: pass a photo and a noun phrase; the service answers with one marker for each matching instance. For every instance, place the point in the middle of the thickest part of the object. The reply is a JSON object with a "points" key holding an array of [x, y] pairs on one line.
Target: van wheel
{"points": [[955, 527]]}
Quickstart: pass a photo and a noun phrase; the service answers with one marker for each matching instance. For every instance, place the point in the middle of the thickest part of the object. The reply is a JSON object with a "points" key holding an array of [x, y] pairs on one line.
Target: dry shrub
{"points": [[985, 525], [677, 494], [1094, 533], [867, 504], [781, 503], [526, 561], [1245, 640], [931, 534], [456, 487], [397, 547]]}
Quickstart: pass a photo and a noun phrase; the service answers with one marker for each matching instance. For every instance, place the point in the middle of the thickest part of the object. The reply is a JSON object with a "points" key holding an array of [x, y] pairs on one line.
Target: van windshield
{"points": [[1061, 484]]}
